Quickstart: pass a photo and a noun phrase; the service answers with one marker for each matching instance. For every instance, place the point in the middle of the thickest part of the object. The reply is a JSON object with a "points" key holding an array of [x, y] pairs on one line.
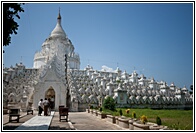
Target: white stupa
{"points": [[57, 43]]}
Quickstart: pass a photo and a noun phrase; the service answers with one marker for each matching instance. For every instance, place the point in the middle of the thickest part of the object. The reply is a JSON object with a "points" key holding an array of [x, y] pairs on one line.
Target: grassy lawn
{"points": [[174, 119]]}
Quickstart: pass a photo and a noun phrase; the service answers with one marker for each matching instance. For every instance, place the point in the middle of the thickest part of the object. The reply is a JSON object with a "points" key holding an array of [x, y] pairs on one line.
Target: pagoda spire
{"points": [[58, 30], [59, 16]]}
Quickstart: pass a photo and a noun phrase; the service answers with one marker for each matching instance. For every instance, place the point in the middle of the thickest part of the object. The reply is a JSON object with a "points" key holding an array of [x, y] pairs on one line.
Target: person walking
{"points": [[49, 106], [52, 102], [40, 106], [46, 104]]}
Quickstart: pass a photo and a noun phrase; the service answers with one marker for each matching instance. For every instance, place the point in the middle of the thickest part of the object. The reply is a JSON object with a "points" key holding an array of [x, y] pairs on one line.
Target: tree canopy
{"points": [[10, 26], [191, 88], [109, 103]]}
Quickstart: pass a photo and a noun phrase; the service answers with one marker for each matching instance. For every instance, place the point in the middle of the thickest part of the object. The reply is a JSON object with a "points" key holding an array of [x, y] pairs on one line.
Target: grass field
{"points": [[174, 119]]}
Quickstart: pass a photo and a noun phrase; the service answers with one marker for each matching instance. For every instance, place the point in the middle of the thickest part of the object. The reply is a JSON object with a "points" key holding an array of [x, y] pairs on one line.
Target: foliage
{"points": [[143, 119], [107, 111], [118, 81], [176, 126], [120, 112], [96, 108], [109, 103], [158, 120], [191, 88], [10, 26], [169, 117], [91, 107], [133, 114], [100, 109], [127, 111]]}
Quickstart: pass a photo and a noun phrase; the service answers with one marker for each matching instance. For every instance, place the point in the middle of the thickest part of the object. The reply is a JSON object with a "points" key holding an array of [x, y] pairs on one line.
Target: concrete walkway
{"points": [[6, 117], [37, 123], [76, 121], [86, 121]]}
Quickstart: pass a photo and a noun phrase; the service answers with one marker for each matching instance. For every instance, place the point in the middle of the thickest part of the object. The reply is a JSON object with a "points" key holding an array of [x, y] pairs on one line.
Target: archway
{"points": [[50, 94]]}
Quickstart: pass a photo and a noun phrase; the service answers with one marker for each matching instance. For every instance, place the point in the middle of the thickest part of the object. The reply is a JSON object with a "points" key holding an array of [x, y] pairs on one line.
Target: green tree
{"points": [[109, 103], [191, 88], [158, 120], [10, 26], [120, 112]]}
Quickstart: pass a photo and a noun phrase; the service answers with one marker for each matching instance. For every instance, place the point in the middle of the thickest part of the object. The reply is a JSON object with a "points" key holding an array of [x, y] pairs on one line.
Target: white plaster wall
{"points": [[41, 89], [38, 64]]}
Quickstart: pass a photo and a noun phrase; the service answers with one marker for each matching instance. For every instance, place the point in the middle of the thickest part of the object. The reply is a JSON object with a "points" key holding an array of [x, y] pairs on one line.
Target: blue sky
{"points": [[155, 39]]}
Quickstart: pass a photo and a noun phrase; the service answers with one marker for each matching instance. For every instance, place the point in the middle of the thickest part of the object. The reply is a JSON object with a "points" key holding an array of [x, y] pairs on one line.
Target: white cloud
{"points": [[106, 69]]}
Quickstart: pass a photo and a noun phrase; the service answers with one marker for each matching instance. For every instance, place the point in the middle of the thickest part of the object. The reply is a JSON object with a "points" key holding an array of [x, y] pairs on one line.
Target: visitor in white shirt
{"points": [[40, 106]]}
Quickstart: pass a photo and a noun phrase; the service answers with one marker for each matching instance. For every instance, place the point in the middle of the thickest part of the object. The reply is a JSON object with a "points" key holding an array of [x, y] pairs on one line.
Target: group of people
{"points": [[44, 105]]}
